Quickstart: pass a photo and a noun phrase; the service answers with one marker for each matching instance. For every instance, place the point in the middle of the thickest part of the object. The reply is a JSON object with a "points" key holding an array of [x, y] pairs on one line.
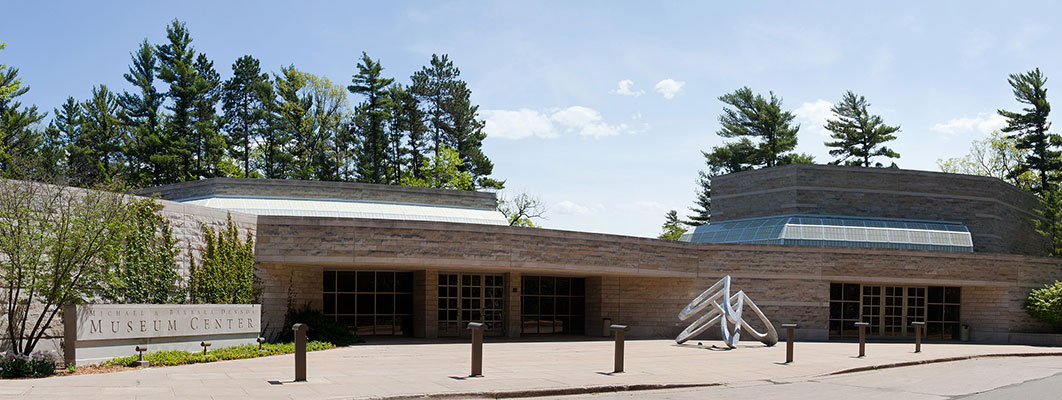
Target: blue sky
{"points": [[601, 109]]}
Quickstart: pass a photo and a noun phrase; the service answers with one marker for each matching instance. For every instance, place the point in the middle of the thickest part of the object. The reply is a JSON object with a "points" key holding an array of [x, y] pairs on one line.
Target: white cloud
{"points": [[813, 116], [580, 120], [624, 89], [669, 87], [637, 115], [569, 207], [518, 124], [982, 123]]}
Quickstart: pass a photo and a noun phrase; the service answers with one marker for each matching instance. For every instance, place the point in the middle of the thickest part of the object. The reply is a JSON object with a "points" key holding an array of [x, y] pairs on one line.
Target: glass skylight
{"points": [[352, 209], [818, 230]]}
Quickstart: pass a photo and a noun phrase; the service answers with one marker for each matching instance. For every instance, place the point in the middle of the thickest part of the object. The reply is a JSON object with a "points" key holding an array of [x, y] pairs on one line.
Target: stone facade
{"points": [[282, 188], [1000, 216], [640, 282]]}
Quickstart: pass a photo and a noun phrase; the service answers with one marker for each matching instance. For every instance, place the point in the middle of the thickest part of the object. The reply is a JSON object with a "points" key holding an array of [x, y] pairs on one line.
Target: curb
{"points": [[939, 360], [569, 391], [640, 387]]}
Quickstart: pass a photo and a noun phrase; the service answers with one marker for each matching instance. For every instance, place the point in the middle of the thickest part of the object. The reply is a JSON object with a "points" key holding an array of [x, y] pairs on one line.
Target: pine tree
{"points": [[372, 155], [177, 68], [1032, 130], [432, 86], [208, 145], [452, 118], [285, 117], [468, 135], [65, 125], [751, 116], [702, 206], [149, 161], [399, 125], [1032, 133], [672, 228], [244, 102], [858, 136], [18, 137], [95, 153]]}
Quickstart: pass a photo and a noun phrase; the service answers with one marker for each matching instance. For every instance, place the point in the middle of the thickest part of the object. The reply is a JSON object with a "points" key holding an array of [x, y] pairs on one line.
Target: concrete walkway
{"points": [[390, 370]]}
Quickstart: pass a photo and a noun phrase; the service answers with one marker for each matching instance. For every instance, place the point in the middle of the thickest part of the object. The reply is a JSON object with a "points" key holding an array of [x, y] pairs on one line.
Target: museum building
{"points": [[820, 246]]}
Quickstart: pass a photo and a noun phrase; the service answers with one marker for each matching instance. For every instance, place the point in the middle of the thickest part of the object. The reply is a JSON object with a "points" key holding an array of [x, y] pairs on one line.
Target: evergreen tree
{"points": [[702, 206], [18, 136], [60, 133], [95, 153], [432, 86], [452, 118], [372, 154], [148, 152], [177, 68], [398, 126], [751, 116], [1032, 133], [244, 99], [208, 145], [287, 112], [1031, 130], [468, 135], [858, 136], [672, 228]]}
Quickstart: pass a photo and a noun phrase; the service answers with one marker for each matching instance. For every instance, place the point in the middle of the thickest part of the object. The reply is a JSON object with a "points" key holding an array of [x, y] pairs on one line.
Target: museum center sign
{"points": [[131, 321], [101, 331]]}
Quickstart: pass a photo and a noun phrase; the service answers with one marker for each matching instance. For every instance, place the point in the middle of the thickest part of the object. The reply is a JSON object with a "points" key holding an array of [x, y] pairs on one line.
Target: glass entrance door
{"points": [[465, 298]]}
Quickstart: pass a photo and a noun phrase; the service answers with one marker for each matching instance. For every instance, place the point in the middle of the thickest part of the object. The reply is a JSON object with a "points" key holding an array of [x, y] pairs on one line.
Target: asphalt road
{"points": [[1025, 378]]}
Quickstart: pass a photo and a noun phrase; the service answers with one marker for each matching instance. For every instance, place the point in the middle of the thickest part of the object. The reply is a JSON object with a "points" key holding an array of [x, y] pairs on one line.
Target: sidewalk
{"points": [[389, 370]]}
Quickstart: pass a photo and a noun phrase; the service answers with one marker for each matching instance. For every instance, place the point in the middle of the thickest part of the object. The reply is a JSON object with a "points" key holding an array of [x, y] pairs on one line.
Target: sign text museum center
{"points": [[820, 246]]}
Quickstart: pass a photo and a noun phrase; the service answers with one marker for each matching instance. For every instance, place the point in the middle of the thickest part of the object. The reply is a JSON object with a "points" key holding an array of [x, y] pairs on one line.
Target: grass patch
{"points": [[181, 357]]}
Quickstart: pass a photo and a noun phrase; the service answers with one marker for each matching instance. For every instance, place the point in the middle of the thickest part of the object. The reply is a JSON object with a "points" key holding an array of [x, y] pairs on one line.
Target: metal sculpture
{"points": [[727, 312]]}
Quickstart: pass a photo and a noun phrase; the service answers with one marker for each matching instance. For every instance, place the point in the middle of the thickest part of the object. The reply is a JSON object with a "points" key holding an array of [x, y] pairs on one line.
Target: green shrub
{"points": [[180, 357], [322, 328], [226, 273], [14, 365], [145, 269], [40, 363], [1045, 304]]}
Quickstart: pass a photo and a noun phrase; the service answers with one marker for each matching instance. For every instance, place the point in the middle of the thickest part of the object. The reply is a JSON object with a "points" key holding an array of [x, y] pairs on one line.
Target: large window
{"points": [[371, 303], [553, 305], [890, 310], [844, 309], [942, 321], [465, 298]]}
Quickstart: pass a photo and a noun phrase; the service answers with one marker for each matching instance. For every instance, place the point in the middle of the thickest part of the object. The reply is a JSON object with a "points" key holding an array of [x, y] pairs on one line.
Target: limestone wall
{"points": [[645, 282], [1000, 216]]}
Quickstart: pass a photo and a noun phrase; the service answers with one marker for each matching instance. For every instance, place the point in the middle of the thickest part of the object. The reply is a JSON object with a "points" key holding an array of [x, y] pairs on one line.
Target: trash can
{"points": [[964, 333], [605, 327]]}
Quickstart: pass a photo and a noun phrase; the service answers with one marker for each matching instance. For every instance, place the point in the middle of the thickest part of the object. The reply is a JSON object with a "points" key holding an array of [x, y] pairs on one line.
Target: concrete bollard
{"points": [[618, 332], [205, 345], [300, 351], [789, 328], [141, 362], [918, 335], [477, 348], [862, 337]]}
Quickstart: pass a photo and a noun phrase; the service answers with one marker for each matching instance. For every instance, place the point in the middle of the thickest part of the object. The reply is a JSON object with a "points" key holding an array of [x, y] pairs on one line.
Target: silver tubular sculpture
{"points": [[725, 310]]}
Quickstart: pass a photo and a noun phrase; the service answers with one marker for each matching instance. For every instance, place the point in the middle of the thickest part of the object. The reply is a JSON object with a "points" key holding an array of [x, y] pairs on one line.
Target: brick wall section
{"points": [[646, 282], [999, 215], [321, 190]]}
